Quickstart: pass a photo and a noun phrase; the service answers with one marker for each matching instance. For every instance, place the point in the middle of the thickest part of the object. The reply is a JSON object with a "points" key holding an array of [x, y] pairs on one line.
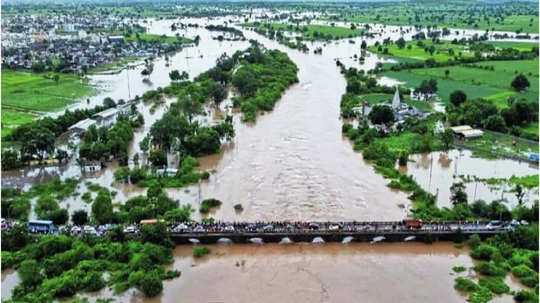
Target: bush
{"points": [[151, 285], [199, 252], [530, 281], [464, 284], [474, 241], [490, 269], [483, 252], [207, 204], [528, 296], [522, 271], [238, 207], [495, 284], [482, 295], [458, 269]]}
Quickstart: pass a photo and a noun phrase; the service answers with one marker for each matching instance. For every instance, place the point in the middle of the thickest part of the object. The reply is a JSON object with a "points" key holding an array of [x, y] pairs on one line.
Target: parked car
{"points": [[130, 229]]}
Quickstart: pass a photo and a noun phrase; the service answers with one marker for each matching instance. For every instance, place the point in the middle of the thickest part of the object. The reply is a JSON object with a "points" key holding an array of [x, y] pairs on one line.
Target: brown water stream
{"points": [[293, 163]]}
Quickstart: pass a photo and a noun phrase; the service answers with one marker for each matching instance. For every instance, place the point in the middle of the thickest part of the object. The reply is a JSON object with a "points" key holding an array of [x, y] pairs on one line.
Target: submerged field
{"points": [[25, 95]]}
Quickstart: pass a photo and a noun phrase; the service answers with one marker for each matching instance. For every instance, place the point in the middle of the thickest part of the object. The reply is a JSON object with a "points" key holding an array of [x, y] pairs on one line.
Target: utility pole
{"points": [[129, 88]]}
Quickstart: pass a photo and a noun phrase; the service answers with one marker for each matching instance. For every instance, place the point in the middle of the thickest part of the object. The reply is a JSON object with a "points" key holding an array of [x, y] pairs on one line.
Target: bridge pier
{"points": [[337, 236]]}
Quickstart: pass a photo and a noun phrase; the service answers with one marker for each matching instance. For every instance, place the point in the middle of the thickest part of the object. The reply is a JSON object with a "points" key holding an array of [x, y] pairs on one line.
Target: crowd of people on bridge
{"points": [[307, 227], [409, 226]]}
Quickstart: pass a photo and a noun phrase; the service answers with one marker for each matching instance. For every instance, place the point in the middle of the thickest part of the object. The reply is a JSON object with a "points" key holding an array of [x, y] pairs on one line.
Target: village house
{"points": [[465, 132]]}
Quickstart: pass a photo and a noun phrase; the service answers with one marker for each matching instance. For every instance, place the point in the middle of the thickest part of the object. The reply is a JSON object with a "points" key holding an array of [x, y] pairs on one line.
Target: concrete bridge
{"points": [[319, 232]]}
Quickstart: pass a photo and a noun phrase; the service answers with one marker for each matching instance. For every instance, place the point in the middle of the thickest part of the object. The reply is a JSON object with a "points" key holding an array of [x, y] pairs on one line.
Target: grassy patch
{"points": [[153, 38], [199, 252], [521, 46], [28, 91], [526, 181], [12, 119], [417, 49], [521, 17], [476, 82], [531, 128], [309, 32], [25, 95]]}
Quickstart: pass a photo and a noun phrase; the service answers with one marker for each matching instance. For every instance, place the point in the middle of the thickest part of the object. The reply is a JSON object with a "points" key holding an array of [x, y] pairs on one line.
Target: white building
{"points": [[106, 117], [81, 126], [466, 132]]}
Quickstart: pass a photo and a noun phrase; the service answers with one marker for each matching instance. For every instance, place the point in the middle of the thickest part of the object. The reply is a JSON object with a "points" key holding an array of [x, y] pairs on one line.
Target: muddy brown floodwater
{"points": [[437, 171], [332, 272], [291, 164]]}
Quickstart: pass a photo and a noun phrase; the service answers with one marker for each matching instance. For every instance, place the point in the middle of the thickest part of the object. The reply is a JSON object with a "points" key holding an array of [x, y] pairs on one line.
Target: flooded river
{"points": [[294, 164]]}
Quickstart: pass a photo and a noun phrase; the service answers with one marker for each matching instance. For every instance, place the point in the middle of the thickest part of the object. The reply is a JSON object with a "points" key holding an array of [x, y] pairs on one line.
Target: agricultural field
{"points": [[520, 46], [419, 50], [25, 95], [477, 82], [12, 119], [512, 17], [152, 38], [309, 32]]}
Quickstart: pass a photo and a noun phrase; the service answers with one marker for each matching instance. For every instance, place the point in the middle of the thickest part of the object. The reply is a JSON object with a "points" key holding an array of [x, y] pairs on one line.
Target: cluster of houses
{"points": [[80, 42]]}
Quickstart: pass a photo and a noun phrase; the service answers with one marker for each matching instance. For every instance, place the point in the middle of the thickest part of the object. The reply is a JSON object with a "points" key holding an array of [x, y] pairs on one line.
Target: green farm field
{"points": [[515, 16], [310, 32], [25, 95], [150, 38], [443, 50], [12, 119], [477, 82], [521, 46]]}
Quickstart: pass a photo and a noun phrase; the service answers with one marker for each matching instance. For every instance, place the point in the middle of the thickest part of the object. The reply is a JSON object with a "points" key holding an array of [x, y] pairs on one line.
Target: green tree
{"points": [[519, 193], [189, 105], [245, 81], [79, 217], [381, 114], [495, 123], [447, 138], [174, 75], [457, 193], [30, 273], [520, 82], [102, 208], [158, 158], [400, 43]]}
